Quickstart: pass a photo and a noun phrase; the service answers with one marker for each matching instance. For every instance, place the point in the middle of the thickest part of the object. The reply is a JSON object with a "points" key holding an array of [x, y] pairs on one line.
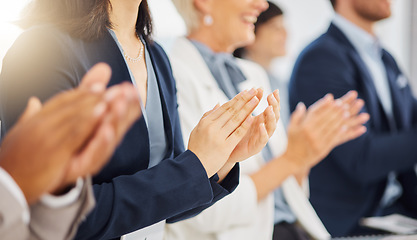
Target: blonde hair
{"points": [[189, 13]]}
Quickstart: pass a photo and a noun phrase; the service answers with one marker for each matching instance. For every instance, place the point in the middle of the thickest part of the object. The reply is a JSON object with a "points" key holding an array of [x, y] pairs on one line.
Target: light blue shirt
{"points": [[369, 49], [152, 113]]}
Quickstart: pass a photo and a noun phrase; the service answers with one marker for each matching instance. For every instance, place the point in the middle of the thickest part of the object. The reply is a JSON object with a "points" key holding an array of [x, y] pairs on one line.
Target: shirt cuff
{"points": [[15, 190], [64, 200]]}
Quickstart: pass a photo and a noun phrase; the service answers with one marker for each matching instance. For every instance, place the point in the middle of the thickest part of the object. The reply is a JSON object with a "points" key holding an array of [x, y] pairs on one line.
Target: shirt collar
{"points": [[363, 42]]}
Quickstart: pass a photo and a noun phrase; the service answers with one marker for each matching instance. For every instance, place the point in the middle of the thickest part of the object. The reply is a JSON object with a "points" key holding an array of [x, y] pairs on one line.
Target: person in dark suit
{"points": [[363, 177], [150, 177]]}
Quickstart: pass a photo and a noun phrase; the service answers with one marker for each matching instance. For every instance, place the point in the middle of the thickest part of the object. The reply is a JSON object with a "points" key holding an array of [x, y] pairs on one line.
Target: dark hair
{"points": [[85, 19], [272, 11], [333, 2]]}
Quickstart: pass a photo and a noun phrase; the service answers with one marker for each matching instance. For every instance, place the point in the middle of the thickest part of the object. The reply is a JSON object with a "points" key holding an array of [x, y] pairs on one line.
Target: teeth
{"points": [[250, 19]]}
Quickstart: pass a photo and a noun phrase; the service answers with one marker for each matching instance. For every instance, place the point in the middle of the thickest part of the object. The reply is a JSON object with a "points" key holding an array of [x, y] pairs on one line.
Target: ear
{"points": [[204, 6]]}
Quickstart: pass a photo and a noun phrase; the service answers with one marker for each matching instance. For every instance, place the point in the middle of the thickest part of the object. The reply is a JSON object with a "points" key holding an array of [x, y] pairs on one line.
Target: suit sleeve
{"points": [[321, 70], [129, 203]]}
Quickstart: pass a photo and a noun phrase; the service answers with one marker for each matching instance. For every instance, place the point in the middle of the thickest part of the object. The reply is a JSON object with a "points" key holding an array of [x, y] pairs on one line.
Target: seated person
{"points": [[361, 178], [207, 73]]}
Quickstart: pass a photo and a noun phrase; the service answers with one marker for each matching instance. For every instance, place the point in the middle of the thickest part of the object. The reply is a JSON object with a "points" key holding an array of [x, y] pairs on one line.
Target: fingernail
{"points": [[253, 101], [328, 96], [252, 91], [300, 105], [99, 109], [97, 88]]}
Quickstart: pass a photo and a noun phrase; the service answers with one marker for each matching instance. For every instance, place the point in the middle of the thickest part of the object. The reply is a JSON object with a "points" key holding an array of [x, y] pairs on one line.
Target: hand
{"points": [[314, 133], [354, 124], [57, 133], [123, 109], [221, 129], [260, 131]]}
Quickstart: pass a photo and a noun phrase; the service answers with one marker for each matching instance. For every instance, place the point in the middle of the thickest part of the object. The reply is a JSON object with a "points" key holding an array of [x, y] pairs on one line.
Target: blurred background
{"points": [[305, 20]]}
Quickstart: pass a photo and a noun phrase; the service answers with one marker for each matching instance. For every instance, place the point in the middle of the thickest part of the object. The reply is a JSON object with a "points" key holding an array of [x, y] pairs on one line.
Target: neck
{"points": [[123, 16], [264, 61], [211, 39], [356, 19]]}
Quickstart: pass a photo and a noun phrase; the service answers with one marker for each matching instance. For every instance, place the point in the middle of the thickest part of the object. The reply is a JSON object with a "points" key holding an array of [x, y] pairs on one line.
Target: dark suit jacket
{"points": [[349, 183], [44, 61]]}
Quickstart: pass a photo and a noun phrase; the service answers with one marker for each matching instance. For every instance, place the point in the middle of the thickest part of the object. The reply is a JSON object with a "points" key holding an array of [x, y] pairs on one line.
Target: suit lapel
{"points": [[398, 101], [371, 97], [164, 94]]}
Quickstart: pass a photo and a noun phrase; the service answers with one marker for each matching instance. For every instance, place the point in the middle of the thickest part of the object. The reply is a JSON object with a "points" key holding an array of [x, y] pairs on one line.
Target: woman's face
{"points": [[233, 20], [271, 38]]}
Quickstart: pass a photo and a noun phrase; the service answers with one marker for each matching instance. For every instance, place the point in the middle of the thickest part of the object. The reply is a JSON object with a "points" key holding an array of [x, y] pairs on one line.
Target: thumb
{"points": [[34, 105], [298, 115], [97, 78]]}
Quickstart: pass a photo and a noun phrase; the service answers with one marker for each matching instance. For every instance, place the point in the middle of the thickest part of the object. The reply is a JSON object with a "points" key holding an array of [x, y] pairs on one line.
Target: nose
{"points": [[260, 5]]}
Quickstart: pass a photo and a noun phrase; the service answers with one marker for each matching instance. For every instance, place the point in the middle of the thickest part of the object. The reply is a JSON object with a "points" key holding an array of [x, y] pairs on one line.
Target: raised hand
{"points": [[261, 130], [314, 133], [123, 108], [221, 129], [40, 149]]}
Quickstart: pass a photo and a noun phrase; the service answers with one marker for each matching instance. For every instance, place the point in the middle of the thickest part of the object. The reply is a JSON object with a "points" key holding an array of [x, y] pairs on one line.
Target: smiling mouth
{"points": [[250, 19]]}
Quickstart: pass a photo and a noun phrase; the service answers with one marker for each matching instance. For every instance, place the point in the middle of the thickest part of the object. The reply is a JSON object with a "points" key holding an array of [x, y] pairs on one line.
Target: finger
{"points": [[95, 154], [270, 121], [237, 135], [349, 97], [350, 130], [97, 78], [263, 137], [322, 103], [297, 117], [354, 133], [260, 93], [34, 106], [230, 108], [212, 110], [357, 120], [356, 107], [125, 111], [234, 118], [74, 121], [274, 102], [328, 121]]}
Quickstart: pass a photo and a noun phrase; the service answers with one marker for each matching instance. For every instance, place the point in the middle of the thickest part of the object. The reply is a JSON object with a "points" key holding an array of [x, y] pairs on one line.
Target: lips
{"points": [[250, 19]]}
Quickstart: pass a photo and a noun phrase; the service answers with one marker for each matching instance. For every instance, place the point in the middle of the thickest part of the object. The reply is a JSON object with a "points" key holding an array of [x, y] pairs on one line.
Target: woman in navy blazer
{"points": [[71, 36]]}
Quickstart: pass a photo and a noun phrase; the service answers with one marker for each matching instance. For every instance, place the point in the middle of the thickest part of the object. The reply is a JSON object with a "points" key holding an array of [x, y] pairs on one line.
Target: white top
{"points": [[47, 199], [239, 215]]}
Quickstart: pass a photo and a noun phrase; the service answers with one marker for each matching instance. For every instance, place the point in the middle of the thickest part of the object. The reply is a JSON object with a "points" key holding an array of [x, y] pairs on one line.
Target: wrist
{"points": [[293, 164]]}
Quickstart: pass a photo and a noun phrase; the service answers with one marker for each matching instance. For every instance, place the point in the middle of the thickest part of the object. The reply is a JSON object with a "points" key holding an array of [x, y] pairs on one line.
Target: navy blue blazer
{"points": [[349, 183], [44, 61]]}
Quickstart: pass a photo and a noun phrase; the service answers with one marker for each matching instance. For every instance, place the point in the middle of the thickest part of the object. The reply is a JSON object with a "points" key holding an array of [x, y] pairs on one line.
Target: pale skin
{"points": [[364, 14], [312, 133], [83, 126], [233, 143]]}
